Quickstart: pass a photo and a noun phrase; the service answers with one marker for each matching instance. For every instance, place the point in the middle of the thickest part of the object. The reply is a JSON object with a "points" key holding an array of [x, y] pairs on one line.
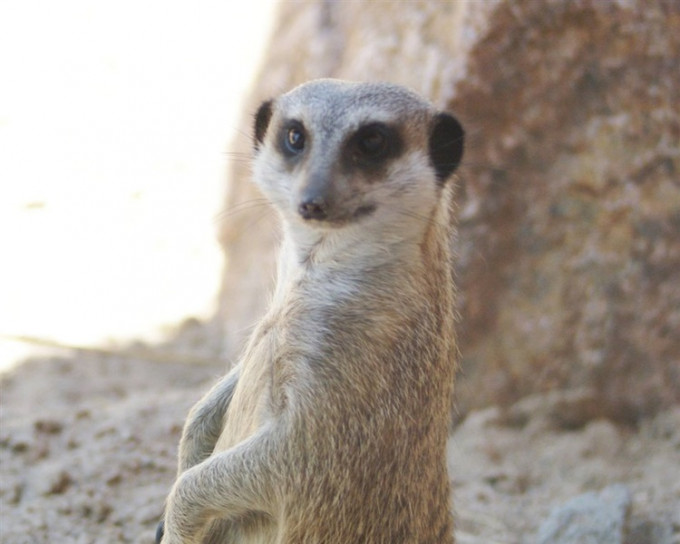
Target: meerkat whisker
{"points": [[244, 206]]}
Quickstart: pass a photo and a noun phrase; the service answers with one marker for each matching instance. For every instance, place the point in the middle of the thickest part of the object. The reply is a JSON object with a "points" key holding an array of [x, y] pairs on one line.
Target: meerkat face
{"points": [[332, 153]]}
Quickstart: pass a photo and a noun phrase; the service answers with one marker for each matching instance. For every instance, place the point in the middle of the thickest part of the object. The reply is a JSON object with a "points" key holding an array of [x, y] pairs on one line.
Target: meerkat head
{"points": [[330, 153]]}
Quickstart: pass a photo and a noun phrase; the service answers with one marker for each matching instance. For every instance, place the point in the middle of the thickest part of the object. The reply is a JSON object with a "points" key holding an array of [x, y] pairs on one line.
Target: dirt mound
{"points": [[88, 446]]}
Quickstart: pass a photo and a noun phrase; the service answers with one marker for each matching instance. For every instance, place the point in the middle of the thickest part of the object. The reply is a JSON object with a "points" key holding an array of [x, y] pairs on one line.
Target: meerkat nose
{"points": [[313, 208]]}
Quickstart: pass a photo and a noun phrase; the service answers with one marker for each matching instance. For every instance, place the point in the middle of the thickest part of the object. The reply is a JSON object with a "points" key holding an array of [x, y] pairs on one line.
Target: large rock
{"points": [[569, 230]]}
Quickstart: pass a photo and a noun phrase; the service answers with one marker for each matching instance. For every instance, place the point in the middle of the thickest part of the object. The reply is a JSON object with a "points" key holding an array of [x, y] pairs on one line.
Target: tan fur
{"points": [[332, 429]]}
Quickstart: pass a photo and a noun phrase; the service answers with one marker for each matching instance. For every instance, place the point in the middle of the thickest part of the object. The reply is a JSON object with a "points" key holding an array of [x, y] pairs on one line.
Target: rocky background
{"points": [[568, 401], [569, 197]]}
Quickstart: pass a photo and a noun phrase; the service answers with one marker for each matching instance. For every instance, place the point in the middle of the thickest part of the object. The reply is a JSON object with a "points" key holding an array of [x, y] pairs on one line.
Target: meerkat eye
{"points": [[294, 139], [372, 142]]}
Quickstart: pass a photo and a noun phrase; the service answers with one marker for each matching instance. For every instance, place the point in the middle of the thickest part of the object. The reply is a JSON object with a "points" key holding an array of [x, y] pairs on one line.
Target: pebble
{"points": [[590, 518]]}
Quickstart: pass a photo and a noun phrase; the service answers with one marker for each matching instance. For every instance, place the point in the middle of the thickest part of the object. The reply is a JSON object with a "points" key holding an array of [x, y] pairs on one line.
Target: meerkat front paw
{"points": [[184, 521], [170, 537]]}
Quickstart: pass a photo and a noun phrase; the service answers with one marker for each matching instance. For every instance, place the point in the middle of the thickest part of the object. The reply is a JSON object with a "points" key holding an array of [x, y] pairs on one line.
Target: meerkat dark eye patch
{"points": [[372, 141], [373, 144], [292, 139], [262, 118], [446, 145]]}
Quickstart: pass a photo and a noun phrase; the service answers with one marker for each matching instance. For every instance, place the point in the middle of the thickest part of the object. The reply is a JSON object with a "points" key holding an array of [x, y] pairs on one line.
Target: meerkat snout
{"points": [[315, 198]]}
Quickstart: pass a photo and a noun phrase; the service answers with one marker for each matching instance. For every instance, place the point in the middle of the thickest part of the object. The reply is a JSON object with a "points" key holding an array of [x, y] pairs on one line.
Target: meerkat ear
{"points": [[262, 118], [446, 145]]}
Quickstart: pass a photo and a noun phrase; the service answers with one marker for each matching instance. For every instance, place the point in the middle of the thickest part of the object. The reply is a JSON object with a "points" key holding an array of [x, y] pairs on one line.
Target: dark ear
{"points": [[262, 118], [446, 145]]}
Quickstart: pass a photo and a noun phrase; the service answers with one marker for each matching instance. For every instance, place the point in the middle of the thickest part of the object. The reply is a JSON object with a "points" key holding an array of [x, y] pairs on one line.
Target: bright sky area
{"points": [[114, 121]]}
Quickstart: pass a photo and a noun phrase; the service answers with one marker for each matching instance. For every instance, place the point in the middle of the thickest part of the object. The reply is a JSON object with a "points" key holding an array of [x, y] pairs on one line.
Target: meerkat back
{"points": [[333, 427]]}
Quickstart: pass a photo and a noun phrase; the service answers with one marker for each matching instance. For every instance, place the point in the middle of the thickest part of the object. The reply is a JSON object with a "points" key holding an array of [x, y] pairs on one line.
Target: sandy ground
{"points": [[88, 444]]}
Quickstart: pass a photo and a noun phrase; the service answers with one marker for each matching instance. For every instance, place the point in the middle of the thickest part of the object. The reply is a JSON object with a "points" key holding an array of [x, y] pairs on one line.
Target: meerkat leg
{"points": [[227, 485], [203, 428], [204, 423]]}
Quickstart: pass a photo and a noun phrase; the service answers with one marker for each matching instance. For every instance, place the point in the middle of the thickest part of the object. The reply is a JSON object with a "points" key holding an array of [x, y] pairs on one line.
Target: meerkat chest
{"points": [[250, 404]]}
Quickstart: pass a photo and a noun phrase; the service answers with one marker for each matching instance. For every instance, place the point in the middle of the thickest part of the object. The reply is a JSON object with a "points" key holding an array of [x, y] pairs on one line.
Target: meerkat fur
{"points": [[332, 428]]}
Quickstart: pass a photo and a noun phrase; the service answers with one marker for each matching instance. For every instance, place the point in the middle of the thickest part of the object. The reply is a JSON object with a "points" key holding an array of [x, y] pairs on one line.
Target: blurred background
{"points": [[124, 133], [114, 124], [125, 138]]}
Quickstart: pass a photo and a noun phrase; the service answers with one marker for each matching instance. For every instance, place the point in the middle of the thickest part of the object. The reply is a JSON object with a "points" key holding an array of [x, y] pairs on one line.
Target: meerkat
{"points": [[332, 428]]}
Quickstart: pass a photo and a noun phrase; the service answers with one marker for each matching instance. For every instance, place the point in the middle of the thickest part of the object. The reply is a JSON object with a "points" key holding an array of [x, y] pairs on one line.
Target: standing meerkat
{"points": [[332, 429]]}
